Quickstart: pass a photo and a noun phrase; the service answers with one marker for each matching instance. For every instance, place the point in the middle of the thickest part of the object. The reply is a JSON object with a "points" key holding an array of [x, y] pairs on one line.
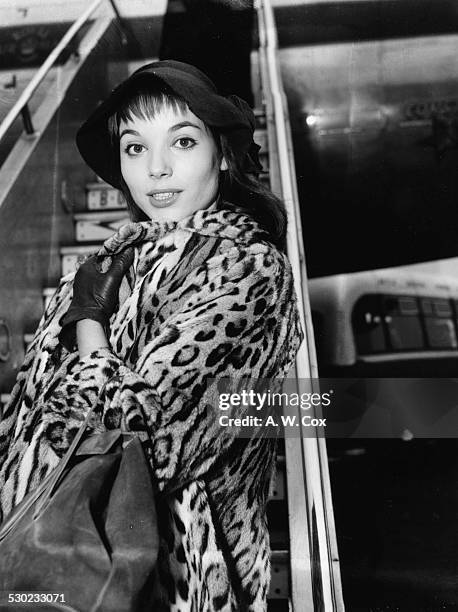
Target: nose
{"points": [[159, 165]]}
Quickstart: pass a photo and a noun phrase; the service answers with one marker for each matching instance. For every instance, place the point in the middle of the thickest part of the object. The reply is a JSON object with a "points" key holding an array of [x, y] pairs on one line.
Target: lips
{"points": [[163, 196]]}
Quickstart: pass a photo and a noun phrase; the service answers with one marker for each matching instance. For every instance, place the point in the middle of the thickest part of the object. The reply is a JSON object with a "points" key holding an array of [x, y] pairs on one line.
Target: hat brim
{"points": [[95, 143]]}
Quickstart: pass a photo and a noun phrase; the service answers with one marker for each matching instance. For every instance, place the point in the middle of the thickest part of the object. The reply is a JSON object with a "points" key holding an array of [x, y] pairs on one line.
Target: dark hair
{"points": [[247, 191], [236, 186]]}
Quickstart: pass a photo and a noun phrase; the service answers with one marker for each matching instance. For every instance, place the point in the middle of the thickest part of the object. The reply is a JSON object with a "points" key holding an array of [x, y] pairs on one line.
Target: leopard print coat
{"points": [[208, 296]]}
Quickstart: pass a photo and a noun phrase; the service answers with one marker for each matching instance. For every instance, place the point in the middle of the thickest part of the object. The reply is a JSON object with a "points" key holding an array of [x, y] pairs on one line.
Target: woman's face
{"points": [[170, 164]]}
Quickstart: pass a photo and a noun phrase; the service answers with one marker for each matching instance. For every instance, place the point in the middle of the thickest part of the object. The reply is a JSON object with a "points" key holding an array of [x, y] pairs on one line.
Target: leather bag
{"points": [[88, 533]]}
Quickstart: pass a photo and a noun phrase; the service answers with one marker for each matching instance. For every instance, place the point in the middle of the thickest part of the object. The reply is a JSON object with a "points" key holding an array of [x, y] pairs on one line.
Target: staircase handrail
{"points": [[325, 569], [41, 73]]}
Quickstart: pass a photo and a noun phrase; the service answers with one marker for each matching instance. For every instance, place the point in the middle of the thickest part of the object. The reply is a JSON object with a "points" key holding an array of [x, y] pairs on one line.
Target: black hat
{"points": [[231, 115]]}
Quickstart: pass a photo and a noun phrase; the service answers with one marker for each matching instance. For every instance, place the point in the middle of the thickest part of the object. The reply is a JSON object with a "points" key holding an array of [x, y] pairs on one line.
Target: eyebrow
{"points": [[183, 124], [174, 128], [133, 132]]}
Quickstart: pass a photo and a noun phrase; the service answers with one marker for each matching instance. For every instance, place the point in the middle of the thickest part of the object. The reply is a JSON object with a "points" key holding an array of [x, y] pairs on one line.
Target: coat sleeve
{"points": [[237, 321]]}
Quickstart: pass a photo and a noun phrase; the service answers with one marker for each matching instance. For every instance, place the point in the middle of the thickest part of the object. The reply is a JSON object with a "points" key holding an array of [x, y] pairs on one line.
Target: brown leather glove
{"points": [[95, 294]]}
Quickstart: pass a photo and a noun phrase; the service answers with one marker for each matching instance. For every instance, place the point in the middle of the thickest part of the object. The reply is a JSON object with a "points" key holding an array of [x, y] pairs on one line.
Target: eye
{"points": [[185, 142], [134, 149]]}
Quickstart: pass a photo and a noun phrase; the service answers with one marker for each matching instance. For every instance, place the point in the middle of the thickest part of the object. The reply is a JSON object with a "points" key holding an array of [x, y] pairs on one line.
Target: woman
{"points": [[194, 288]]}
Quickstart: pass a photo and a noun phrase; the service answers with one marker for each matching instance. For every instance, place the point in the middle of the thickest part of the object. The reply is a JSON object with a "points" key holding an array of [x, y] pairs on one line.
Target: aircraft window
{"points": [[440, 333], [367, 325], [405, 332], [442, 308], [408, 306]]}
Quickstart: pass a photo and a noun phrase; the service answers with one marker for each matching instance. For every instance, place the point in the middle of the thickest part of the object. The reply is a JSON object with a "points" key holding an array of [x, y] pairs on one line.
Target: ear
{"points": [[223, 164]]}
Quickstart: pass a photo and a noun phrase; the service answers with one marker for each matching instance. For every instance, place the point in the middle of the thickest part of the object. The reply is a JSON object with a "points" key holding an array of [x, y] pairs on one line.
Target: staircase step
{"points": [[279, 583], [101, 196], [4, 399], [47, 293], [265, 179], [260, 138], [28, 339], [260, 117], [98, 226], [277, 491], [71, 256]]}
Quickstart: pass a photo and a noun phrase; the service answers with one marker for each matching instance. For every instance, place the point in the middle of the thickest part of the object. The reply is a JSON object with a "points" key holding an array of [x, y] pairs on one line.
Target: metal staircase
{"points": [[304, 561]]}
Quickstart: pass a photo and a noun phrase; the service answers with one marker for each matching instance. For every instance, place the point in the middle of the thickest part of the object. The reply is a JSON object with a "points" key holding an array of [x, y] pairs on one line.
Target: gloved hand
{"points": [[95, 294]]}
